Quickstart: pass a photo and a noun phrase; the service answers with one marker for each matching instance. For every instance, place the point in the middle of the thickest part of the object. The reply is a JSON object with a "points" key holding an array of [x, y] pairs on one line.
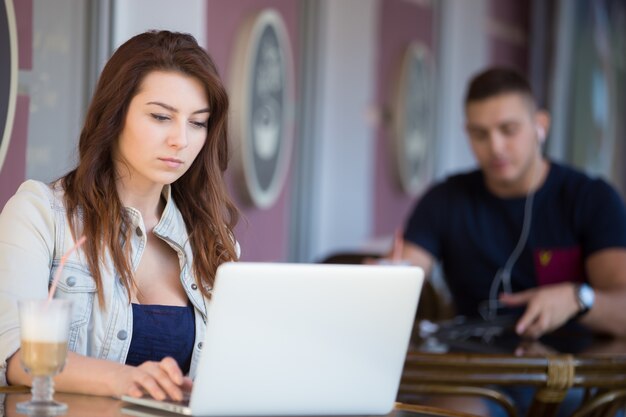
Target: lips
{"points": [[172, 162], [498, 164]]}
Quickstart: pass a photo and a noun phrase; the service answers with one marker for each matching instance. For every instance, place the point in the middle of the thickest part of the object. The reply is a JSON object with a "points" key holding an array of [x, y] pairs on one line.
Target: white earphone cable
{"points": [[503, 275]]}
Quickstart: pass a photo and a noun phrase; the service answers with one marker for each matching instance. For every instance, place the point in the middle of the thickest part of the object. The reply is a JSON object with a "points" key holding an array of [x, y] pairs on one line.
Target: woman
{"points": [[149, 197]]}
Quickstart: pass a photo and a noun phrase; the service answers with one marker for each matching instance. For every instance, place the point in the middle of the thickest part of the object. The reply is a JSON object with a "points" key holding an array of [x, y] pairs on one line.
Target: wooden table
{"points": [[92, 406], [597, 364]]}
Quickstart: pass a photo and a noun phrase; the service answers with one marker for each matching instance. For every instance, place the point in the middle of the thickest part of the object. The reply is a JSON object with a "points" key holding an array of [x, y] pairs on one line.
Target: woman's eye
{"points": [[159, 117], [200, 125]]}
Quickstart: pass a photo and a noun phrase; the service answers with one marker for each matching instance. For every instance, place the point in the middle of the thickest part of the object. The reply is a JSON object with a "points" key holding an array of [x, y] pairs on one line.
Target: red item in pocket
{"points": [[554, 265]]}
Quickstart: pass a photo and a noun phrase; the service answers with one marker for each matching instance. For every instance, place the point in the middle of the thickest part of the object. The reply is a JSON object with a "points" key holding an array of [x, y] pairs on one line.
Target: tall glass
{"points": [[44, 329]]}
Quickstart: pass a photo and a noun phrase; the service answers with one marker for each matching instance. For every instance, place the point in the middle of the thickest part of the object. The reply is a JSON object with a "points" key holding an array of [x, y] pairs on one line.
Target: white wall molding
{"points": [[133, 17], [463, 51]]}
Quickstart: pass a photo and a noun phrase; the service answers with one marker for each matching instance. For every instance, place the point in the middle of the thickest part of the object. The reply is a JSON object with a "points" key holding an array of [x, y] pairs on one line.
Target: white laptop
{"points": [[303, 339]]}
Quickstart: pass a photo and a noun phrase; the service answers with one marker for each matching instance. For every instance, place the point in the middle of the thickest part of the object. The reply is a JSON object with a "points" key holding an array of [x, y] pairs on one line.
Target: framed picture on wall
{"points": [[261, 92], [413, 121], [8, 74]]}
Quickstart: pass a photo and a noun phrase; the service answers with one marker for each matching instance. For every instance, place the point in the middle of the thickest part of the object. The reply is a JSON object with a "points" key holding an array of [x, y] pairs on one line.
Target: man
{"points": [[522, 231]]}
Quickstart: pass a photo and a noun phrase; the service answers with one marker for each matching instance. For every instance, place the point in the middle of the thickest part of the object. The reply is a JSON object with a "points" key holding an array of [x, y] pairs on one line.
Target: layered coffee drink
{"points": [[44, 332], [43, 358]]}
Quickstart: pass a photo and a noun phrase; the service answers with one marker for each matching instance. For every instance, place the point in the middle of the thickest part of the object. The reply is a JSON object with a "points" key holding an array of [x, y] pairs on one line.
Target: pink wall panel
{"points": [[14, 168], [509, 45], [400, 22], [505, 54], [263, 234], [24, 17], [514, 11]]}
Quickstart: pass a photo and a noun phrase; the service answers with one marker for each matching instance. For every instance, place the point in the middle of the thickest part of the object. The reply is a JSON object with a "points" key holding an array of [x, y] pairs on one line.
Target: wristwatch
{"points": [[585, 297]]}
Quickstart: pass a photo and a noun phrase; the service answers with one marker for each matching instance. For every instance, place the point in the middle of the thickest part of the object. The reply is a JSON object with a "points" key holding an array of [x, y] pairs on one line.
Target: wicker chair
{"points": [[411, 410], [603, 377]]}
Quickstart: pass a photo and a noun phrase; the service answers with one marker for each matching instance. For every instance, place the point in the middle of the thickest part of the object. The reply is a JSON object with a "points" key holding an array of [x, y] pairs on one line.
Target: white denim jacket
{"points": [[34, 235]]}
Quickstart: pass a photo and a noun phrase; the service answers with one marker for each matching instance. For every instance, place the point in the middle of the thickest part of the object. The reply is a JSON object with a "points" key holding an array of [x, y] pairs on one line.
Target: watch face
{"points": [[586, 295]]}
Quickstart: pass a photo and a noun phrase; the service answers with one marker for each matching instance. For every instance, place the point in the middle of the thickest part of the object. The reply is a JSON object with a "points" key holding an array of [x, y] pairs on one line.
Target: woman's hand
{"points": [[92, 376], [159, 379]]}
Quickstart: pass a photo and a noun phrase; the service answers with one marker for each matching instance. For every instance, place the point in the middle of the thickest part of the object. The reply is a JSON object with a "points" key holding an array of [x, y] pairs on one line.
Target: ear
{"points": [[542, 123]]}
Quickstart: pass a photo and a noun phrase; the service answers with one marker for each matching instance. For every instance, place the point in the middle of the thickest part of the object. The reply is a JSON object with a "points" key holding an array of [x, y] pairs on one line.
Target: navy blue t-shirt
{"points": [[473, 232]]}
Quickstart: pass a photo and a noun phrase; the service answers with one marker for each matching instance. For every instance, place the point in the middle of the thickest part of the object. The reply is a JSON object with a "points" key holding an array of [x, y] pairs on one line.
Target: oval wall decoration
{"points": [[261, 85], [8, 74], [413, 119]]}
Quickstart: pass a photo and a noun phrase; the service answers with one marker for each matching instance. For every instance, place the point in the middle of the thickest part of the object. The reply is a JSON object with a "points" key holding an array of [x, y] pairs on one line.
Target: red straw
{"points": [[57, 274]]}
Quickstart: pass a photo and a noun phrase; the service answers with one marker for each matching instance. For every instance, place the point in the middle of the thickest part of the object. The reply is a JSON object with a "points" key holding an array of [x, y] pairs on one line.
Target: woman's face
{"points": [[164, 130]]}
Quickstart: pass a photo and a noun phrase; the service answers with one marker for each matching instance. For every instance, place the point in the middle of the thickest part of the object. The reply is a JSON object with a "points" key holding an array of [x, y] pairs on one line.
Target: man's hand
{"points": [[405, 253], [395, 255], [547, 308]]}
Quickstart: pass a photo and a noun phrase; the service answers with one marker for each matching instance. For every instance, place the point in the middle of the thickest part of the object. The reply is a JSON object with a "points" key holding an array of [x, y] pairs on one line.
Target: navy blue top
{"points": [[160, 331], [473, 232]]}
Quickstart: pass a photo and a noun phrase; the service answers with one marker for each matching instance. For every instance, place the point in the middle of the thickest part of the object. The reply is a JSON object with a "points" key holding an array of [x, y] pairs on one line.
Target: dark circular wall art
{"points": [[8, 74], [261, 85], [413, 119]]}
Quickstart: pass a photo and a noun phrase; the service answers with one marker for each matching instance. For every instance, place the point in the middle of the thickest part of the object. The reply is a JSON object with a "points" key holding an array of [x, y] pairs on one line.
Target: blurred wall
{"points": [[338, 129], [130, 18], [508, 31], [13, 171], [400, 23], [56, 84], [351, 197], [262, 233], [466, 37]]}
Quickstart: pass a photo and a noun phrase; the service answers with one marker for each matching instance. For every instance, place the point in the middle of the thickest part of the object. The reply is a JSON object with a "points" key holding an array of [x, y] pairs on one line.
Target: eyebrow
{"points": [[174, 109], [507, 122], [475, 127]]}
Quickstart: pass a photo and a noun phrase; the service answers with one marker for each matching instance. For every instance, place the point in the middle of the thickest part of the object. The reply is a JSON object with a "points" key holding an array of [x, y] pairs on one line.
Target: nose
{"points": [[177, 136], [496, 143]]}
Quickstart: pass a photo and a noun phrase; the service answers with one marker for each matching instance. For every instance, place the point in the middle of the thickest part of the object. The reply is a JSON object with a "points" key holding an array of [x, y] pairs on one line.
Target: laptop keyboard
{"points": [[184, 402]]}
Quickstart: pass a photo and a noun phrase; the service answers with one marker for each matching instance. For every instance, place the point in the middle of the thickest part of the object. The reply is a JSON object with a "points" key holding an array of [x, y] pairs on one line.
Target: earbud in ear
{"points": [[541, 133]]}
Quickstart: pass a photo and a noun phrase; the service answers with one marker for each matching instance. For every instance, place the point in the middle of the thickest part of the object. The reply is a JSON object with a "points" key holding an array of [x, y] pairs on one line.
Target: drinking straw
{"points": [[57, 274]]}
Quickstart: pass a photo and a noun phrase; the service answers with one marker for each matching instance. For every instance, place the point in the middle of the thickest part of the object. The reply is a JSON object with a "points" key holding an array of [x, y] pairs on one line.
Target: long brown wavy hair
{"points": [[93, 206]]}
